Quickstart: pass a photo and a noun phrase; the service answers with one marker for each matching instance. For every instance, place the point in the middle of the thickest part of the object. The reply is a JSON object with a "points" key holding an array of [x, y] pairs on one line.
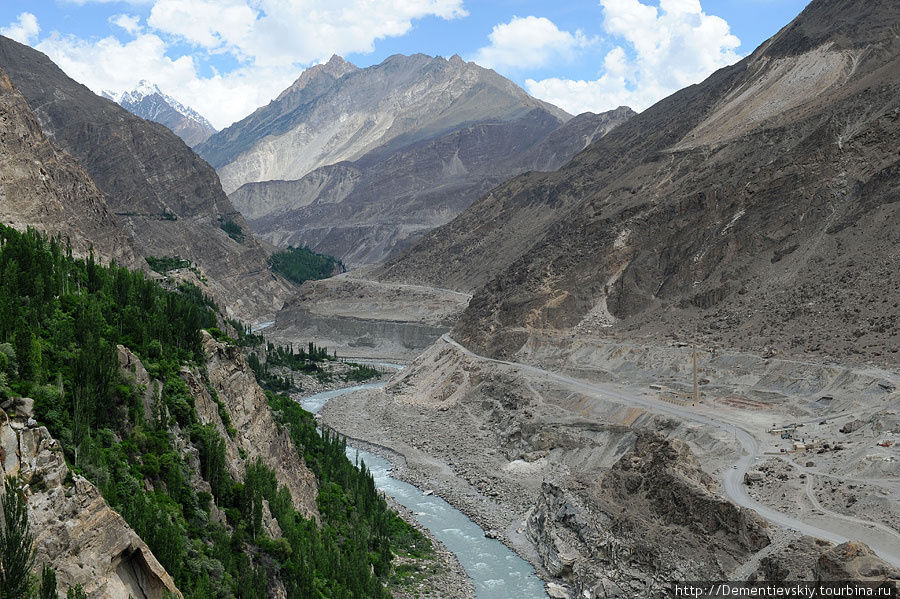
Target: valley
{"points": [[407, 331], [502, 433]]}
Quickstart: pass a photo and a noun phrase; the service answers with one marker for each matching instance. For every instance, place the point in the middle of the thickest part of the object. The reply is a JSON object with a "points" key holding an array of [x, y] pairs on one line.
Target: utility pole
{"points": [[696, 386]]}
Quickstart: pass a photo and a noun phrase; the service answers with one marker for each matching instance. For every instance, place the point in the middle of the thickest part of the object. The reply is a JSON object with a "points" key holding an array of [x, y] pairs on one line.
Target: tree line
{"points": [[61, 319]]}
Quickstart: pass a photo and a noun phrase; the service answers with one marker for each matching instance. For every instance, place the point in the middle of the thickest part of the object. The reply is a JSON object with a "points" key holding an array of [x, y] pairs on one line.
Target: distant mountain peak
{"points": [[147, 101], [144, 88], [335, 68]]}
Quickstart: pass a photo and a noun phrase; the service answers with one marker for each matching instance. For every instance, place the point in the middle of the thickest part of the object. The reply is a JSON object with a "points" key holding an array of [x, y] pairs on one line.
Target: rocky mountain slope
{"points": [[337, 112], [756, 209], [357, 163], [148, 102], [90, 544], [43, 187], [363, 211], [167, 197]]}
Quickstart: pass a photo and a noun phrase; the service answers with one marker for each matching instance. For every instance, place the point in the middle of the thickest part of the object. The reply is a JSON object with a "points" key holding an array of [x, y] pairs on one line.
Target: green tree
{"points": [[76, 592], [16, 541], [48, 583]]}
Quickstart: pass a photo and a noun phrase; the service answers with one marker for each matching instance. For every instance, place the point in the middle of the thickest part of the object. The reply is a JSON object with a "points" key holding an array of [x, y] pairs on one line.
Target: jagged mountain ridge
{"points": [[168, 198], [337, 112], [43, 187], [401, 147], [718, 213], [366, 210], [149, 102]]}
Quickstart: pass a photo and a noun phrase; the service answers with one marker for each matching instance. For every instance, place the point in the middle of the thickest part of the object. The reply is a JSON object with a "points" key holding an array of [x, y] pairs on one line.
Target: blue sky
{"points": [[226, 57]]}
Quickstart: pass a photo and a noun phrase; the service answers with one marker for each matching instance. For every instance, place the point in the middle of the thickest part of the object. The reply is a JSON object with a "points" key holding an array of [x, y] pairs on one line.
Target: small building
{"points": [[799, 446], [753, 476]]}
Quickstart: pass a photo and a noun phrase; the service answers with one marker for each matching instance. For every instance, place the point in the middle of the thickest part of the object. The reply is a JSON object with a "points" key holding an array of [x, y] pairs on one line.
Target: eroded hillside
{"points": [[755, 209]]}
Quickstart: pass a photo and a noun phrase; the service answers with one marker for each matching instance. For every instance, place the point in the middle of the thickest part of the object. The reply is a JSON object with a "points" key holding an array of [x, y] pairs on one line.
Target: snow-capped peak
{"points": [[147, 101], [146, 89]]}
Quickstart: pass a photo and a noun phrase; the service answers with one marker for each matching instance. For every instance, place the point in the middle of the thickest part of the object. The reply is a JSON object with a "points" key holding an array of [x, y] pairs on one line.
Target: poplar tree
{"points": [[16, 543]]}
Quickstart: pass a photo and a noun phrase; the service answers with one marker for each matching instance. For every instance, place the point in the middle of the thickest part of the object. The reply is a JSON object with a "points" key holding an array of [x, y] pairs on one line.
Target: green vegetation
{"points": [[60, 322], [245, 336], [48, 583], [233, 229], [307, 361], [302, 264], [361, 372], [76, 592], [164, 265], [16, 540], [348, 500]]}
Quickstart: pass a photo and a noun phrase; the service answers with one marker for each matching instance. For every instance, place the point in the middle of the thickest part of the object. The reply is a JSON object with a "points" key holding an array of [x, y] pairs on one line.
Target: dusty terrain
{"points": [[362, 318], [512, 444]]}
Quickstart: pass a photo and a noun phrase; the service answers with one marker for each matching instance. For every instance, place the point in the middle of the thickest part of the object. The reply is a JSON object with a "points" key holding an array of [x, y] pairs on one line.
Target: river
{"points": [[495, 570]]}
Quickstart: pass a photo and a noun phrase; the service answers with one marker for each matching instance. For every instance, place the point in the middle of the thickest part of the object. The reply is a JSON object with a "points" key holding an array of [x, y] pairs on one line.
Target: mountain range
{"points": [[358, 163], [149, 102], [755, 213], [757, 209]]}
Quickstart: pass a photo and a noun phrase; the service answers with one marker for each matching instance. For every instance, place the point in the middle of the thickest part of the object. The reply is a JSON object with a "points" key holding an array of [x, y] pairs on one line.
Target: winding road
{"points": [[835, 528]]}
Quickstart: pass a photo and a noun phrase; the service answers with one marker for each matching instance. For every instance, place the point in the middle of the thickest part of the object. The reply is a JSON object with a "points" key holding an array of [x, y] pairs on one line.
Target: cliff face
{"points": [[723, 209], [75, 530], [168, 198], [654, 517], [90, 544], [257, 433], [43, 187], [228, 380]]}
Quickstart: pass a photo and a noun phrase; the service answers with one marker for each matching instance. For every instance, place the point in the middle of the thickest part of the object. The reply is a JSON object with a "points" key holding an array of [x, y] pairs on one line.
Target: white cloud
{"points": [[109, 64], [278, 32], [662, 51], [207, 23], [25, 29], [529, 42], [272, 40], [130, 23]]}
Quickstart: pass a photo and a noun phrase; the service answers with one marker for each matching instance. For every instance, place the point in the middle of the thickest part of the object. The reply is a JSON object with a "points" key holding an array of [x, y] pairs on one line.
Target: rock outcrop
{"points": [[228, 384], [854, 561], [75, 531], [654, 517], [257, 434]]}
